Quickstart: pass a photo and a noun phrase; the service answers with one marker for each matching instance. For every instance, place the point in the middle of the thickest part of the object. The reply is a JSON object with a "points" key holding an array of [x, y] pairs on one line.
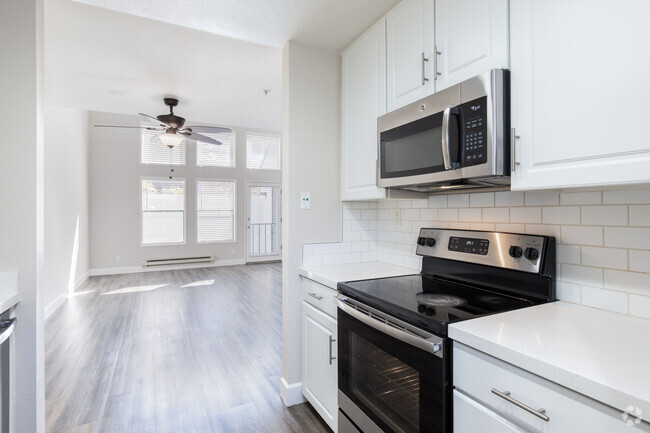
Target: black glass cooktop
{"points": [[429, 302]]}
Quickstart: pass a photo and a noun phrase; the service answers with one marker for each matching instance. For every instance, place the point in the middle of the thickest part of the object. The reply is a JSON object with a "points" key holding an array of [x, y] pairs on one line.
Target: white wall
{"points": [[21, 191], [311, 155], [603, 237], [115, 172], [66, 204]]}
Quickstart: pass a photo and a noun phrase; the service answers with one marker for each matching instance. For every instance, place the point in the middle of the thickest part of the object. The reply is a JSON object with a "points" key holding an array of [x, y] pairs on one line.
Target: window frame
{"points": [[196, 209], [234, 154], [261, 134], [159, 244]]}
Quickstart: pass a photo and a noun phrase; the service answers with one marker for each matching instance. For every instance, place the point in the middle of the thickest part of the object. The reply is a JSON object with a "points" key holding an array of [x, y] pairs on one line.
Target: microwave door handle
{"points": [[446, 152]]}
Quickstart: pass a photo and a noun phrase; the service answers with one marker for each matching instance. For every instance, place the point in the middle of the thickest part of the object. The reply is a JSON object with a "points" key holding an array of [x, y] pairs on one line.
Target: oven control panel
{"points": [[474, 124], [521, 252]]}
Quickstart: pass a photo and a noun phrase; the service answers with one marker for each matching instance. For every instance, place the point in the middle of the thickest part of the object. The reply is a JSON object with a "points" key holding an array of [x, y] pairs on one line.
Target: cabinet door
{"points": [[471, 38], [363, 99], [579, 92], [471, 417], [319, 375], [409, 37]]}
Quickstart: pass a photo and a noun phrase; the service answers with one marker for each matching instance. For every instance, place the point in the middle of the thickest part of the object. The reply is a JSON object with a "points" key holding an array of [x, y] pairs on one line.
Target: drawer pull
{"points": [[539, 413], [315, 296], [331, 358]]}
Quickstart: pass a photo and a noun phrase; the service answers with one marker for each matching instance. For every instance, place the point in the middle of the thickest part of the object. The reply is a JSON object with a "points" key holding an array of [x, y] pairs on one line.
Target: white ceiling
{"points": [[331, 24], [103, 60]]}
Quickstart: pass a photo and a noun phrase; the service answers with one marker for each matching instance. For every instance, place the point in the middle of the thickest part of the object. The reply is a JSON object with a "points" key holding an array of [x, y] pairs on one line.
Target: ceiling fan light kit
{"points": [[170, 140]]}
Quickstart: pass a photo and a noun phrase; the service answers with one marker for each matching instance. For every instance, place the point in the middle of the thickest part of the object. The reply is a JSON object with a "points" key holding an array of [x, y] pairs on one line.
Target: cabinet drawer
{"points": [[471, 416], [477, 374], [321, 297]]}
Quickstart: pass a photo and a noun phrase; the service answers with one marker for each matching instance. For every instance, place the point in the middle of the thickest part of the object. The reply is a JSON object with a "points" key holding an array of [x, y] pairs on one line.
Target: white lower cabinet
{"points": [[319, 364], [480, 378]]}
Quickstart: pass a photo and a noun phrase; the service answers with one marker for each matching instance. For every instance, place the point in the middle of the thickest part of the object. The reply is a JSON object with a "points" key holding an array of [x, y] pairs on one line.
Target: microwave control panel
{"points": [[474, 126]]}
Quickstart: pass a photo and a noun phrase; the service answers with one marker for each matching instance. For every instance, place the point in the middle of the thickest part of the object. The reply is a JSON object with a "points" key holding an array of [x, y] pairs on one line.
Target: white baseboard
{"points": [[54, 305], [82, 279], [291, 394], [137, 269]]}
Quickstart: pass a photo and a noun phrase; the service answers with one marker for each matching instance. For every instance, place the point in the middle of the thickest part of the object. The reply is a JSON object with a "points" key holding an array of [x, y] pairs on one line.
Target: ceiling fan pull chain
{"points": [[171, 161]]}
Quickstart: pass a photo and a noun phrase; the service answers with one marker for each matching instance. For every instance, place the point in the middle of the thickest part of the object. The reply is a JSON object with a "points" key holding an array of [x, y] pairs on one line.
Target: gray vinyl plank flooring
{"points": [[195, 350]]}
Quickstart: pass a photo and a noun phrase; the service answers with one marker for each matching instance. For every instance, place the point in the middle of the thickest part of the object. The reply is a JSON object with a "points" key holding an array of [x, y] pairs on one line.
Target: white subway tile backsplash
{"points": [[640, 306], [469, 215], [351, 236], [509, 198], [573, 198], [567, 253], [604, 257], [420, 204], [437, 201], [411, 214], [482, 199], [542, 198], [526, 215], [511, 228], [546, 230], [561, 215], [580, 235], [404, 204], [640, 261], [605, 299], [496, 215], [429, 214], [627, 237], [360, 205], [568, 292], [629, 196], [582, 275], [481, 226], [448, 214], [458, 226], [459, 200], [368, 214], [640, 215], [625, 281], [368, 256], [604, 215]]}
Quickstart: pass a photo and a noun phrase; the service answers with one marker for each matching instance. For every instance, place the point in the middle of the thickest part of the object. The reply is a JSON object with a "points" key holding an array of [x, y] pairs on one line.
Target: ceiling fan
{"points": [[172, 127]]}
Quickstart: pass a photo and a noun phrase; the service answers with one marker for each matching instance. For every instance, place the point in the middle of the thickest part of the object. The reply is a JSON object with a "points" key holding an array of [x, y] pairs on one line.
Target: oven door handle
{"points": [[379, 324], [446, 141]]}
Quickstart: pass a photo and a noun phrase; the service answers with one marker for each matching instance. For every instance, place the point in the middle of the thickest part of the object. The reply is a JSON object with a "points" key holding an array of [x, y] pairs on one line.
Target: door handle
{"points": [[331, 358], [436, 53], [446, 144], [513, 146], [424, 79]]}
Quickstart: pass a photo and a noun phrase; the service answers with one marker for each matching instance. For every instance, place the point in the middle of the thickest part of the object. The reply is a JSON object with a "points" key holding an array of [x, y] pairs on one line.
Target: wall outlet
{"points": [[305, 200], [397, 216]]}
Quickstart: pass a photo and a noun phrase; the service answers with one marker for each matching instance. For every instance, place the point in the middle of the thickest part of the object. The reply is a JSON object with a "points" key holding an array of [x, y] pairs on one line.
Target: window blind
{"points": [[215, 211], [158, 153], [163, 211], [262, 152], [212, 155]]}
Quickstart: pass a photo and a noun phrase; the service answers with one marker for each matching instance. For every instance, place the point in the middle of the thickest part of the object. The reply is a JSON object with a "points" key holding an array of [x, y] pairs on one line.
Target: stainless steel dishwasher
{"points": [[6, 330]]}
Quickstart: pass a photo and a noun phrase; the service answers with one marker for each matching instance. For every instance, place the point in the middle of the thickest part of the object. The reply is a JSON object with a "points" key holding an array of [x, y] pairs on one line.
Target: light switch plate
{"points": [[305, 200]]}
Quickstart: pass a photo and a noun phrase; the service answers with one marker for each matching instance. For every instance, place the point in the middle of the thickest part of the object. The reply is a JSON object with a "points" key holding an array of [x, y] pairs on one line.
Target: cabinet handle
{"points": [[332, 358], [539, 413], [315, 296], [436, 53], [424, 59], [513, 145]]}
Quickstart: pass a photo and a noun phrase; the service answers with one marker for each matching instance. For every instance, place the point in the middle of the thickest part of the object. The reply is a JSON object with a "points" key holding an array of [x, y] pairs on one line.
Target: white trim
{"points": [[267, 257], [137, 269], [58, 302], [291, 394]]}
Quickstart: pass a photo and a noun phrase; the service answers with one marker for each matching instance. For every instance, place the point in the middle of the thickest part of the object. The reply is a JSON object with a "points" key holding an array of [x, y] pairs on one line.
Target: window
{"points": [[157, 153], [262, 152], [163, 211], [212, 155], [215, 211]]}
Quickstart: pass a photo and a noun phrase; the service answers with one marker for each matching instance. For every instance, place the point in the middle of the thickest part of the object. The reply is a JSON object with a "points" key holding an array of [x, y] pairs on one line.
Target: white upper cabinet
{"points": [[409, 52], [579, 92], [471, 38], [363, 99]]}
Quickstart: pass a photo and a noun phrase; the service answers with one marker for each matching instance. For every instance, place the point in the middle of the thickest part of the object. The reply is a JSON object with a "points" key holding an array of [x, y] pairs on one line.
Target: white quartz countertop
{"points": [[605, 356], [332, 274], [8, 290]]}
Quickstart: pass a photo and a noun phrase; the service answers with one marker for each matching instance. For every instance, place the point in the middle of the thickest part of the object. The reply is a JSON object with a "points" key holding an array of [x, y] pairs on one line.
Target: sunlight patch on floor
{"points": [[135, 289], [199, 283]]}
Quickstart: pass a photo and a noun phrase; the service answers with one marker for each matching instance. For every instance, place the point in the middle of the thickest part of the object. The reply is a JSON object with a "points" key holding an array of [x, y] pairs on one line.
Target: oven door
{"points": [[389, 379]]}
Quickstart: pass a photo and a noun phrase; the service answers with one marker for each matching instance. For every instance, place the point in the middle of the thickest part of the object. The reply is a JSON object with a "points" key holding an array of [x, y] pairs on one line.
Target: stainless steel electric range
{"points": [[394, 370]]}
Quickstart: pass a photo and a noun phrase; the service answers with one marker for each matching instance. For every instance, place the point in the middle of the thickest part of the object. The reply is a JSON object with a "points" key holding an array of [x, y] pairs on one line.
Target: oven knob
{"points": [[431, 242], [531, 253], [515, 251], [422, 241]]}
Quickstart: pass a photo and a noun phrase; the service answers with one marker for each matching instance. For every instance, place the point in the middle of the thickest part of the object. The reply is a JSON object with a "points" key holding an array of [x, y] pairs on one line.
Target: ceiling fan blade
{"points": [[199, 137], [154, 120], [150, 128], [208, 129]]}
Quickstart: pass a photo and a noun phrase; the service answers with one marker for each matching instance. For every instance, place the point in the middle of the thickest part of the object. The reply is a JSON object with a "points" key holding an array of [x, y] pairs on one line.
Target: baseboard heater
{"points": [[178, 261]]}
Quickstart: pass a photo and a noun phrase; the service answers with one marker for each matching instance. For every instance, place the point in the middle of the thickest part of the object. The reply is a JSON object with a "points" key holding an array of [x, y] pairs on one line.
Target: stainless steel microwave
{"points": [[456, 139]]}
